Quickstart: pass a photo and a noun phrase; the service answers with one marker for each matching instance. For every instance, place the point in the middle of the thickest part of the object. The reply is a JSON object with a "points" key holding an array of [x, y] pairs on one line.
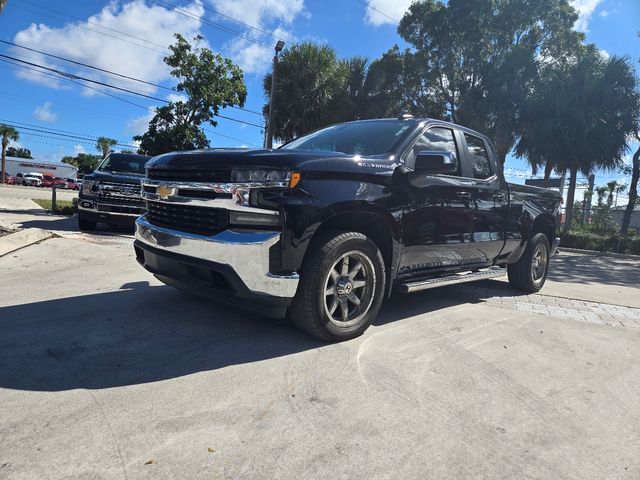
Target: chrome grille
{"points": [[188, 218], [216, 175], [120, 192]]}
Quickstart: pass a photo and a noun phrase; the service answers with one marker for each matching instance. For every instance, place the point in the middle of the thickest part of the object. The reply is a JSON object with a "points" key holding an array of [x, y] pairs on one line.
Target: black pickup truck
{"points": [[111, 194], [327, 226]]}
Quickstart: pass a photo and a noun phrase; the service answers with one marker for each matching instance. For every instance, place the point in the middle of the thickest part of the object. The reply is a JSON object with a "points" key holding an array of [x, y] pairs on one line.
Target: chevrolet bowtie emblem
{"points": [[164, 191]]}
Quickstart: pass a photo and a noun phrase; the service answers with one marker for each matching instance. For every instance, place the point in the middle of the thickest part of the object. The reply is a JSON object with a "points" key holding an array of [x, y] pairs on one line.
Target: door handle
{"points": [[464, 195], [498, 196]]}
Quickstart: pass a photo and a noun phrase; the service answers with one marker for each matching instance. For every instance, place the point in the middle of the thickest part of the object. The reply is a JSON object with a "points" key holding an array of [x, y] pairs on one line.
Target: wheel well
{"points": [[544, 224], [370, 224]]}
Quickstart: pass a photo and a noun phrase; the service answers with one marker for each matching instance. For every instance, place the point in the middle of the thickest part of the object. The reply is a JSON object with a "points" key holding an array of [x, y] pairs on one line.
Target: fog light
{"points": [[254, 219]]}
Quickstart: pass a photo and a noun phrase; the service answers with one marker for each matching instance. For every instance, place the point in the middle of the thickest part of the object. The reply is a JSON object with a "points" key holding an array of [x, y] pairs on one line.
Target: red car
{"points": [[49, 180], [9, 180], [72, 184]]}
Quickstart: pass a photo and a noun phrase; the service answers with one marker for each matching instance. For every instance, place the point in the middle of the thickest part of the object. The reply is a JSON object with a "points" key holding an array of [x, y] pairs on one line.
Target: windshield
{"points": [[124, 163], [357, 138]]}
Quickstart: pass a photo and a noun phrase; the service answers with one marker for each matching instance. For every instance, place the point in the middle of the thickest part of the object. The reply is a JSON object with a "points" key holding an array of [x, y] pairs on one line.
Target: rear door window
{"points": [[478, 156]]}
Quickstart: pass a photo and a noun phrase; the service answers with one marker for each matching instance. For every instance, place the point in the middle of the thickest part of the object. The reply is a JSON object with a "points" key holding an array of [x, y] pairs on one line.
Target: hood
{"points": [[238, 158], [106, 176]]}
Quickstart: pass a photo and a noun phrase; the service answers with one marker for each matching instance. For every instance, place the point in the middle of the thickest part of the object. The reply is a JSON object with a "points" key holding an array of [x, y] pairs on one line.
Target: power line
{"points": [[368, 5], [57, 133], [72, 77], [113, 73], [93, 67], [218, 12], [163, 47], [188, 14]]}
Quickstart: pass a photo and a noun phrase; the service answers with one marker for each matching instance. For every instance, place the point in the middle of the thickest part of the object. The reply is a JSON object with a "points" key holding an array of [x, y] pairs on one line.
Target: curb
{"points": [[597, 253], [23, 238]]}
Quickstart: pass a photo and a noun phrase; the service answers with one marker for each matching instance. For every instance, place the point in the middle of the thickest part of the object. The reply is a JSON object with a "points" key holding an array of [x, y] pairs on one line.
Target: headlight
{"points": [[260, 176], [87, 186]]}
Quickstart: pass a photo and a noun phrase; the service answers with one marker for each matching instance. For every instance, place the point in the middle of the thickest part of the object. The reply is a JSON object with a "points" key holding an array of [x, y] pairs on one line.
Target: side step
{"points": [[453, 279]]}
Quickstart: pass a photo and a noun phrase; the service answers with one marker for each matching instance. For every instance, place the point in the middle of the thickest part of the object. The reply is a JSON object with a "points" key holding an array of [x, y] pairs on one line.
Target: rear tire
{"points": [[341, 288], [530, 272], [86, 225]]}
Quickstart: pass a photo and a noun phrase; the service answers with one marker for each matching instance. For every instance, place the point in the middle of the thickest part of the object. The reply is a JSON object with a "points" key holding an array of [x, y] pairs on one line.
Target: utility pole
{"points": [[269, 137]]}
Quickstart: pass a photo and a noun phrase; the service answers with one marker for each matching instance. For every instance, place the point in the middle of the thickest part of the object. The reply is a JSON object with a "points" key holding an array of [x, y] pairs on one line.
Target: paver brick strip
{"points": [[593, 312]]}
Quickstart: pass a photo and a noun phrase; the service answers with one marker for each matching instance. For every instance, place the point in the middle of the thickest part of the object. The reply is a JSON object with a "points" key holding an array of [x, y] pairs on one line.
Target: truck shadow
{"points": [[142, 334]]}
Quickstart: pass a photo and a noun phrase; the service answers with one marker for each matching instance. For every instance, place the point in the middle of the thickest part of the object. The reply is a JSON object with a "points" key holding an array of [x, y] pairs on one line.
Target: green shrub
{"points": [[601, 242]]}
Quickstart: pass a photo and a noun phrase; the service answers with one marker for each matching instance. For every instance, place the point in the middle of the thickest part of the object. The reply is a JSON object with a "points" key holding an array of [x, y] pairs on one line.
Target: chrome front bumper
{"points": [[246, 252]]}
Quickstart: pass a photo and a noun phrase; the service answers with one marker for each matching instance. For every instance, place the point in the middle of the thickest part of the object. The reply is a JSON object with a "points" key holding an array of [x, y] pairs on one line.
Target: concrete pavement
{"points": [[105, 373]]}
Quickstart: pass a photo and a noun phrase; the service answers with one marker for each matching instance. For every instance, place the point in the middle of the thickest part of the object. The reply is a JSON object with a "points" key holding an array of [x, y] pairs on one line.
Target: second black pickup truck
{"points": [[111, 194], [326, 227]]}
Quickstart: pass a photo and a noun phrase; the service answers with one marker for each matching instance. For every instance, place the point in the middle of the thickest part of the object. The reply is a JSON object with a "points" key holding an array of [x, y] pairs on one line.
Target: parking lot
{"points": [[106, 373]]}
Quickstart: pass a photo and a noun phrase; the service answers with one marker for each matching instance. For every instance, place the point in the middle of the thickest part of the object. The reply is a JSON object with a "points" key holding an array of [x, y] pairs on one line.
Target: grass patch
{"points": [[63, 207]]}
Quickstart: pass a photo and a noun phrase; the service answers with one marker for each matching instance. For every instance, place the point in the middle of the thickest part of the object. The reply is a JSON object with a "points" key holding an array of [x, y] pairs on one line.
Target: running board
{"points": [[454, 279]]}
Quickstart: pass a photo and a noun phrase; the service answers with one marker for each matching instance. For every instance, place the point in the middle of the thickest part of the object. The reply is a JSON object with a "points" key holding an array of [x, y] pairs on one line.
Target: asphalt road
{"points": [[105, 373]]}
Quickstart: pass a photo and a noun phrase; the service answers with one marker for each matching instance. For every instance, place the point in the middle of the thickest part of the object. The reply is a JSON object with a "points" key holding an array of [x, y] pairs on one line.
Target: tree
{"points": [[339, 90], [104, 144], [8, 134], [19, 152], [2, 4], [633, 192], [85, 162], [395, 85], [482, 56], [580, 116], [210, 82], [309, 80]]}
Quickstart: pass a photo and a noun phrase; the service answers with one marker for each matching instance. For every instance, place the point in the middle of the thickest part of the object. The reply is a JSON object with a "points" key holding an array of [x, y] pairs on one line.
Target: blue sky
{"points": [[127, 36]]}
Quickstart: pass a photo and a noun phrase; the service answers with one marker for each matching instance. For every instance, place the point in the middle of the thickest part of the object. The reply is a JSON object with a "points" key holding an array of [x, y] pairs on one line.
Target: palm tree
{"points": [[2, 4], [580, 117], [310, 77], [633, 192], [104, 144], [8, 135]]}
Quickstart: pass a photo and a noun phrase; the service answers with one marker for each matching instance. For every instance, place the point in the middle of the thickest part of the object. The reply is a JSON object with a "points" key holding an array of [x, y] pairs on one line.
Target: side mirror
{"points": [[432, 162]]}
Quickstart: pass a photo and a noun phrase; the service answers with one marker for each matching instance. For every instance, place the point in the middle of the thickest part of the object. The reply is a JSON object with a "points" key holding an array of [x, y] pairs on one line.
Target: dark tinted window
{"points": [[358, 138], [480, 165], [124, 163], [436, 139]]}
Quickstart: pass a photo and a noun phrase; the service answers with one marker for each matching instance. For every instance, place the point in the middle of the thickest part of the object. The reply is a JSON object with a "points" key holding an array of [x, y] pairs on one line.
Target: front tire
{"points": [[342, 286], [530, 272]]}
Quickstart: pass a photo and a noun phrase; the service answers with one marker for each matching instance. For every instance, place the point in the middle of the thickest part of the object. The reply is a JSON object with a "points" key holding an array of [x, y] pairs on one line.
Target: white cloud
{"points": [[260, 12], [585, 9], [272, 17], [604, 13], [80, 41], [176, 97], [43, 113], [379, 11], [139, 125], [78, 149]]}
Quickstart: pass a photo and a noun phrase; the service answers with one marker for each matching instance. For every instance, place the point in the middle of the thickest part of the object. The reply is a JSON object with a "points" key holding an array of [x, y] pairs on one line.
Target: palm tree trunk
{"points": [[571, 194], [633, 194], [4, 163], [548, 169]]}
